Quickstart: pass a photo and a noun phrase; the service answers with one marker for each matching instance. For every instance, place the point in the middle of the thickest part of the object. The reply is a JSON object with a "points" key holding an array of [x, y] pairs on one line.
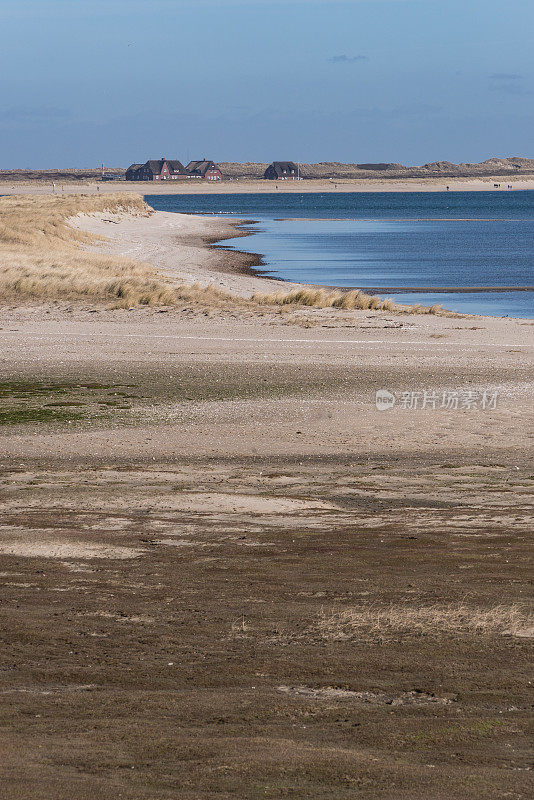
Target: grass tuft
{"points": [[349, 300], [432, 620]]}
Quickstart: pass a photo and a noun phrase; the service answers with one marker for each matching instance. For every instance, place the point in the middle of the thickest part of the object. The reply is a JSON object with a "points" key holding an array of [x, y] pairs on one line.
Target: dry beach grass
{"points": [[349, 300], [427, 620], [41, 256], [44, 258]]}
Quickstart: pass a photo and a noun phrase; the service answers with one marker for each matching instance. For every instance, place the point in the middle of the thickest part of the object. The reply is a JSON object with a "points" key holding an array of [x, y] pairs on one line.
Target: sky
{"points": [[119, 81]]}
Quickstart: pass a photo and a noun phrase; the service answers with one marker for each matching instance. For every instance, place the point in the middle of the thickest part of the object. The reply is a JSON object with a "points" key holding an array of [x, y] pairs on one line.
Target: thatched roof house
{"points": [[166, 169], [131, 172], [205, 169], [282, 171], [161, 170]]}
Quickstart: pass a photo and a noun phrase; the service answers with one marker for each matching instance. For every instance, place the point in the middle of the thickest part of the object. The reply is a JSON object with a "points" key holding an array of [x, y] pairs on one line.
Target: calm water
{"points": [[391, 242]]}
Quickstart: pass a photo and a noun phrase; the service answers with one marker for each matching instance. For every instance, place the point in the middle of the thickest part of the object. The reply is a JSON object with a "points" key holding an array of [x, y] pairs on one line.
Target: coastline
{"points": [[181, 246], [244, 186], [171, 241], [219, 266]]}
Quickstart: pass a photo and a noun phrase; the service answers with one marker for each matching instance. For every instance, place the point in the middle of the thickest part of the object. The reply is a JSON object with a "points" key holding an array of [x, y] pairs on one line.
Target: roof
{"points": [[283, 167], [156, 166], [134, 166], [176, 166], [200, 167], [287, 165]]}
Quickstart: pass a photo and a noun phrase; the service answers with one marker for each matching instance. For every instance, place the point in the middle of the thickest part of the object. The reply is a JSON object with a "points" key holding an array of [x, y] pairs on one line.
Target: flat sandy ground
{"points": [[188, 498], [242, 186]]}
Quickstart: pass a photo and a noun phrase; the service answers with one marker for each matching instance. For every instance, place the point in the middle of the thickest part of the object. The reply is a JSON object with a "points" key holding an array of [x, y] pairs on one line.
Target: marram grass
{"points": [[43, 258], [350, 300]]}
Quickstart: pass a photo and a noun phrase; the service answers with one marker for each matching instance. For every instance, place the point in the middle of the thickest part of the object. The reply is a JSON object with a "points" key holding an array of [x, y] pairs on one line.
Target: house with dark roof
{"points": [[131, 172], [167, 170], [162, 170], [282, 171], [206, 170]]}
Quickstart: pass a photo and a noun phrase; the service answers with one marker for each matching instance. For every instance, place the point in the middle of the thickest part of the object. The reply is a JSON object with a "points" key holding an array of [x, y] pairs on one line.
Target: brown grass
{"points": [[432, 620], [350, 300], [43, 258]]}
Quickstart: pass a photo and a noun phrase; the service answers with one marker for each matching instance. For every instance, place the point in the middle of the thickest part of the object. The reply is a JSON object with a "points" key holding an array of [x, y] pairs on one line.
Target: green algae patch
{"points": [[47, 402]]}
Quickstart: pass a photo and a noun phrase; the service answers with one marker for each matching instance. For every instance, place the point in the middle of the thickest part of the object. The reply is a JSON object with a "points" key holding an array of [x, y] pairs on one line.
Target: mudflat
{"points": [[227, 574]]}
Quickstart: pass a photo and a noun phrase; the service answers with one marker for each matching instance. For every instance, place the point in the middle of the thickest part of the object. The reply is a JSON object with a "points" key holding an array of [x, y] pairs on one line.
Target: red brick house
{"points": [[162, 170], [206, 170], [166, 170]]}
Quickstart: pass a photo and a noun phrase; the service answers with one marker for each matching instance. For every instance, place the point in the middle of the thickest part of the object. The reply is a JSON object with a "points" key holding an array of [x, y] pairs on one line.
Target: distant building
{"points": [[282, 171], [166, 170], [131, 172], [162, 170], [207, 170]]}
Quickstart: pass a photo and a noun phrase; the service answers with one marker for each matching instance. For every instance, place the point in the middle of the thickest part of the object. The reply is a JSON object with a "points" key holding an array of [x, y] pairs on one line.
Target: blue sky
{"points": [[86, 81]]}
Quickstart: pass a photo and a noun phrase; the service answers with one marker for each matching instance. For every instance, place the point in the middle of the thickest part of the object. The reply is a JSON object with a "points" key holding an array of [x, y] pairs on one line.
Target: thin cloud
{"points": [[510, 88], [32, 114], [344, 59], [505, 76], [508, 83]]}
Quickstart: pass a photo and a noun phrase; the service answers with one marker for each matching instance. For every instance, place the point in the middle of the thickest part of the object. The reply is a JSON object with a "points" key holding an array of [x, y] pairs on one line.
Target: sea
{"points": [[471, 252]]}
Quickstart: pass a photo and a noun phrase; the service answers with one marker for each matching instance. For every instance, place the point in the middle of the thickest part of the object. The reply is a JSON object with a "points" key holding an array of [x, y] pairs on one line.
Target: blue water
{"points": [[390, 242]]}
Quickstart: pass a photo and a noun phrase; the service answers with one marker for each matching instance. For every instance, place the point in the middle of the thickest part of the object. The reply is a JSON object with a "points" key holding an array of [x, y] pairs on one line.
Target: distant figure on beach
{"points": [[448, 187], [53, 188]]}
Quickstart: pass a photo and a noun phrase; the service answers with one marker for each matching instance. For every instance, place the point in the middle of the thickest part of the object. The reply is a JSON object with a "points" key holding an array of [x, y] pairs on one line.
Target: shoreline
{"points": [[246, 263], [310, 185], [184, 247], [194, 241], [256, 260], [437, 289]]}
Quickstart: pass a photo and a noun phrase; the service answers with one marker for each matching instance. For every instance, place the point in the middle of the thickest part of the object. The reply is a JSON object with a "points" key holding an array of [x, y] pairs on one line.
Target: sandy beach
{"points": [[179, 246], [224, 568], [244, 186]]}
